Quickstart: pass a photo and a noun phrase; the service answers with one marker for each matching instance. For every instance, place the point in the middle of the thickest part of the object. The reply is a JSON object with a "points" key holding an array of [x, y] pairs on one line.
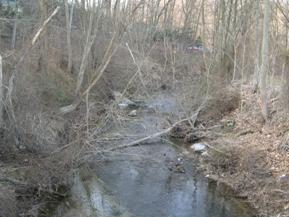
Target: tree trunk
{"points": [[265, 62], [257, 59], [89, 42], [1, 93], [14, 34], [43, 58], [68, 36]]}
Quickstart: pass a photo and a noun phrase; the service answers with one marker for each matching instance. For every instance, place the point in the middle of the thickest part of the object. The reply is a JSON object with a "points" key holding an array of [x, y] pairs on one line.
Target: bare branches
{"points": [[137, 142], [87, 48], [37, 35], [40, 30], [156, 135], [109, 52], [13, 76], [138, 67]]}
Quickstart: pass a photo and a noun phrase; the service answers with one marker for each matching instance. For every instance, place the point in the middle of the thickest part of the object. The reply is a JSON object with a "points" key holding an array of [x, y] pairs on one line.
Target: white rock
{"points": [[122, 101], [133, 113], [22, 147], [122, 105], [125, 104], [128, 101], [198, 147], [284, 178]]}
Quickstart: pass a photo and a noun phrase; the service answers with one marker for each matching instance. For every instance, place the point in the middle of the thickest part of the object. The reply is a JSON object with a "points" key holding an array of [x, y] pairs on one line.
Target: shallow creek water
{"points": [[156, 179]]}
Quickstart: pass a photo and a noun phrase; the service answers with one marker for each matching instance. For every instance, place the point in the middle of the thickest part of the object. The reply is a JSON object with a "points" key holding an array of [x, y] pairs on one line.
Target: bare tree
{"points": [[265, 61], [13, 41], [120, 27], [90, 36], [1, 93], [43, 60], [257, 59], [187, 7], [68, 17]]}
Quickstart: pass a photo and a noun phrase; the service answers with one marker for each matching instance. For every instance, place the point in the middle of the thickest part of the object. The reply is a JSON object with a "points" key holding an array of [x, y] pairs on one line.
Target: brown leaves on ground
{"points": [[253, 165], [222, 101]]}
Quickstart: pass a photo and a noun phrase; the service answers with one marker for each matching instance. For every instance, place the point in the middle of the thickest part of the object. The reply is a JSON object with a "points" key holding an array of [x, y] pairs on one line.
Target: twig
{"points": [[243, 133]]}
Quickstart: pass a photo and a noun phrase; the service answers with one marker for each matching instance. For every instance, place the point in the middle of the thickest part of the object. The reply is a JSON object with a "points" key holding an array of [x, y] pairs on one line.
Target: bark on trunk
{"points": [[265, 62]]}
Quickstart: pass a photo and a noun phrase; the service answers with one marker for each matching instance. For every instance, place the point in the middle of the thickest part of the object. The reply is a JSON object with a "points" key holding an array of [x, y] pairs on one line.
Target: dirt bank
{"points": [[249, 156]]}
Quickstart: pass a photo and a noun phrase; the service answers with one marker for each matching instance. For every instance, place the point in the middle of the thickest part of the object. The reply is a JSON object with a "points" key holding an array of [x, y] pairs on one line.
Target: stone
{"points": [[122, 101], [199, 147], [126, 103], [22, 147], [133, 113], [284, 181]]}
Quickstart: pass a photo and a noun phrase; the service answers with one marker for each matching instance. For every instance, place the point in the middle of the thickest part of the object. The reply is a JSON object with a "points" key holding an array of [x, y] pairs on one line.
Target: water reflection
{"points": [[143, 181], [149, 189]]}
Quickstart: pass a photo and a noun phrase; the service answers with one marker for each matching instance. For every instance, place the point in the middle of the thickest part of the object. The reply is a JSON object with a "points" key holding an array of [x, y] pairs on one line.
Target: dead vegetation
{"points": [[250, 161]]}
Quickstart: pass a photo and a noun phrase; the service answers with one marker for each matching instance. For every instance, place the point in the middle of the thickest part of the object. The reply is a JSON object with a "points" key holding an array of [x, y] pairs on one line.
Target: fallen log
{"points": [[137, 142]]}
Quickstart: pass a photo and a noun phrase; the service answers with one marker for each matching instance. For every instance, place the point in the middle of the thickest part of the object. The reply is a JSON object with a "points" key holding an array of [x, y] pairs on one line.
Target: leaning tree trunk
{"points": [[1, 93], [265, 62]]}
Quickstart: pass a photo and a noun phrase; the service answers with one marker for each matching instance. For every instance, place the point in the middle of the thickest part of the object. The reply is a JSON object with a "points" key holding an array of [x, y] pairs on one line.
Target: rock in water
{"points": [[126, 103], [133, 113], [123, 102], [199, 147]]}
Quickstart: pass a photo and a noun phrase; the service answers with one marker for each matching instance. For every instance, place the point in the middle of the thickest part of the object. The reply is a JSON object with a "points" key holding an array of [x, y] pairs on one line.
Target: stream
{"points": [[155, 179]]}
